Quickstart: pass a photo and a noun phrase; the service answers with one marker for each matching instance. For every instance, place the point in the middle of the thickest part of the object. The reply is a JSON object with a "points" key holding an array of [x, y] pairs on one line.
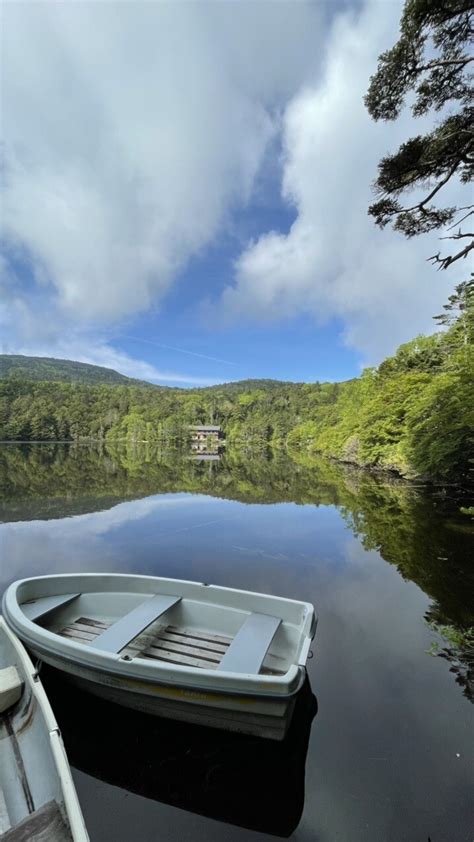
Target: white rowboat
{"points": [[37, 796], [187, 650]]}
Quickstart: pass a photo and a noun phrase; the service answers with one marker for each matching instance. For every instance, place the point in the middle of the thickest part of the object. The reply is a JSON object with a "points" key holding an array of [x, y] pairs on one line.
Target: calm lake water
{"points": [[382, 745]]}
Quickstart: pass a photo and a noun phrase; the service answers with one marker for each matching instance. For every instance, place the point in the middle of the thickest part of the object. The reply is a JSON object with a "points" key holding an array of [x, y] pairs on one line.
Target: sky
{"points": [[185, 191]]}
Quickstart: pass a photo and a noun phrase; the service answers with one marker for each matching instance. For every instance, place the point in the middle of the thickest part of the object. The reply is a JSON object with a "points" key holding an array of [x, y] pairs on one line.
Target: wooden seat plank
{"points": [[75, 634], [83, 628], [181, 648], [44, 825], [114, 638], [87, 621], [200, 635], [247, 651], [199, 643], [191, 637], [174, 658], [40, 607]]}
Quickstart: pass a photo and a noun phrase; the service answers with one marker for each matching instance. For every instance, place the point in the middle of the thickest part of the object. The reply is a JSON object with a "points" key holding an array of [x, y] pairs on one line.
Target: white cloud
{"points": [[35, 327], [334, 262], [131, 133], [132, 130], [102, 354]]}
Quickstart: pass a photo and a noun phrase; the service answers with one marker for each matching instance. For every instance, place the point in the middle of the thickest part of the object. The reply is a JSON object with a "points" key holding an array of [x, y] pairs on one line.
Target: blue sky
{"points": [[186, 190]]}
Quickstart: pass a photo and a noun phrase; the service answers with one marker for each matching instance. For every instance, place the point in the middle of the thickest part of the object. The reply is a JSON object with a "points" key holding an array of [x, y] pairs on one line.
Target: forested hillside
{"points": [[414, 414], [21, 367]]}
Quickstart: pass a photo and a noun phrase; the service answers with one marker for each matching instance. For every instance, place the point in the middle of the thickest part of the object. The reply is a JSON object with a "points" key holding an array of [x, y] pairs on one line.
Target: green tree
{"points": [[459, 312], [432, 59]]}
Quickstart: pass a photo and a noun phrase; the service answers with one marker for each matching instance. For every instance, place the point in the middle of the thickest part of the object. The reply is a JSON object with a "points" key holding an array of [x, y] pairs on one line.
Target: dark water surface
{"points": [[386, 752]]}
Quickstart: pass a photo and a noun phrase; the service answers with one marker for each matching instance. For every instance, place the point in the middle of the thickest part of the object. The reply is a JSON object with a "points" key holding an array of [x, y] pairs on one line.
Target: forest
{"points": [[412, 415]]}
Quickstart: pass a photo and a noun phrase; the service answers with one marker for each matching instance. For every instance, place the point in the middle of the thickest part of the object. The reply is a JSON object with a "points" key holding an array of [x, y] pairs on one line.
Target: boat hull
{"points": [[256, 716]]}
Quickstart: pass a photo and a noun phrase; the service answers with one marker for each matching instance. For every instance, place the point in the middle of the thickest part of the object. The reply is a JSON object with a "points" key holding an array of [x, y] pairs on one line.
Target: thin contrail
{"points": [[179, 350]]}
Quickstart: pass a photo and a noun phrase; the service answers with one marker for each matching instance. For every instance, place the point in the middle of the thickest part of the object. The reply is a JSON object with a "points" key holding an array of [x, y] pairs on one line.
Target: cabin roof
{"points": [[206, 427]]}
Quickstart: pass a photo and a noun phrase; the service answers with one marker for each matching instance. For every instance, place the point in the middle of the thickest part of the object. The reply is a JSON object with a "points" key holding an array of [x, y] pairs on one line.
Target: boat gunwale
{"points": [[50, 577]]}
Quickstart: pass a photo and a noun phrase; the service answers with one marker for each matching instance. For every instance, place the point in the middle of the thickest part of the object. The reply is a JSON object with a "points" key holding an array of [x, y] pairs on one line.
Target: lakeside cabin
{"points": [[205, 437]]}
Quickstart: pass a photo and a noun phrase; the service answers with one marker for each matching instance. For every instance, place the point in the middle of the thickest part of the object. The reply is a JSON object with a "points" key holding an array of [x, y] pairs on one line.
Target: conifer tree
{"points": [[432, 60]]}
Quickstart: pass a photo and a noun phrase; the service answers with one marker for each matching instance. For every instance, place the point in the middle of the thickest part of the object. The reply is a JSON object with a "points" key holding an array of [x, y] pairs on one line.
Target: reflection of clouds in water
{"points": [[79, 543], [254, 551]]}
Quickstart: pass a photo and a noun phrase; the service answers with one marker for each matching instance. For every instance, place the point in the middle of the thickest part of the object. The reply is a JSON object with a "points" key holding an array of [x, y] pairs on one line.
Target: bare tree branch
{"points": [[458, 236], [444, 262]]}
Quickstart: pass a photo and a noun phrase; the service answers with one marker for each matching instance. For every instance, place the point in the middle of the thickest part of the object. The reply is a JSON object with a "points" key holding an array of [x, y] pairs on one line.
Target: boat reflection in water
{"points": [[246, 781]]}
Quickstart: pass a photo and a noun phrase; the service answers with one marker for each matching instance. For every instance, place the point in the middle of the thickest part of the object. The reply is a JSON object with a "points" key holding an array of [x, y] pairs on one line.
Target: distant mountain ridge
{"points": [[19, 367], [249, 385]]}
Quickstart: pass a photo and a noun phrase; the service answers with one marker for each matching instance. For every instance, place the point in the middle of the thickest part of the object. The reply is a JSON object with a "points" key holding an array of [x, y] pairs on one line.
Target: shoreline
{"points": [[385, 473]]}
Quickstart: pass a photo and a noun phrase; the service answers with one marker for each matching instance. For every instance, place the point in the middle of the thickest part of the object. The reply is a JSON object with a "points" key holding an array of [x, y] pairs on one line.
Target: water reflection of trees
{"points": [[420, 531]]}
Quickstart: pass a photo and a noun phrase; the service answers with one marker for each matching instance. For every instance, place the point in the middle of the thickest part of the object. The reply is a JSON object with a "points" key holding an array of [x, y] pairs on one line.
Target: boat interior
{"points": [[173, 629]]}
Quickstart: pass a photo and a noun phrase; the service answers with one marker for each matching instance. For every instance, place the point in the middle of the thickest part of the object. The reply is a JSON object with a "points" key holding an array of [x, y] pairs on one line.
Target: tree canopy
{"points": [[432, 60]]}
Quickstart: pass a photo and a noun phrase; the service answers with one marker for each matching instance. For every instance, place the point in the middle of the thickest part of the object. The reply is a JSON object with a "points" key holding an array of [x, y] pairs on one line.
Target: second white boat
{"points": [[37, 796]]}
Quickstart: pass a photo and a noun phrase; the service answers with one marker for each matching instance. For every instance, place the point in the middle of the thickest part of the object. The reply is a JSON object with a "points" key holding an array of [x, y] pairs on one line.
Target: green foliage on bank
{"points": [[414, 414]]}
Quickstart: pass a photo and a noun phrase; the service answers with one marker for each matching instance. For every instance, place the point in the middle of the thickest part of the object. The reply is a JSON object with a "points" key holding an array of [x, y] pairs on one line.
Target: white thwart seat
{"points": [[11, 688], [40, 607], [249, 647], [127, 628]]}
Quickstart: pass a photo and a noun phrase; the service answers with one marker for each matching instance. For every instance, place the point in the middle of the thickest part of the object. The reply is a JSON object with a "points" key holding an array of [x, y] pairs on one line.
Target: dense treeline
{"points": [[414, 414], [47, 411]]}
